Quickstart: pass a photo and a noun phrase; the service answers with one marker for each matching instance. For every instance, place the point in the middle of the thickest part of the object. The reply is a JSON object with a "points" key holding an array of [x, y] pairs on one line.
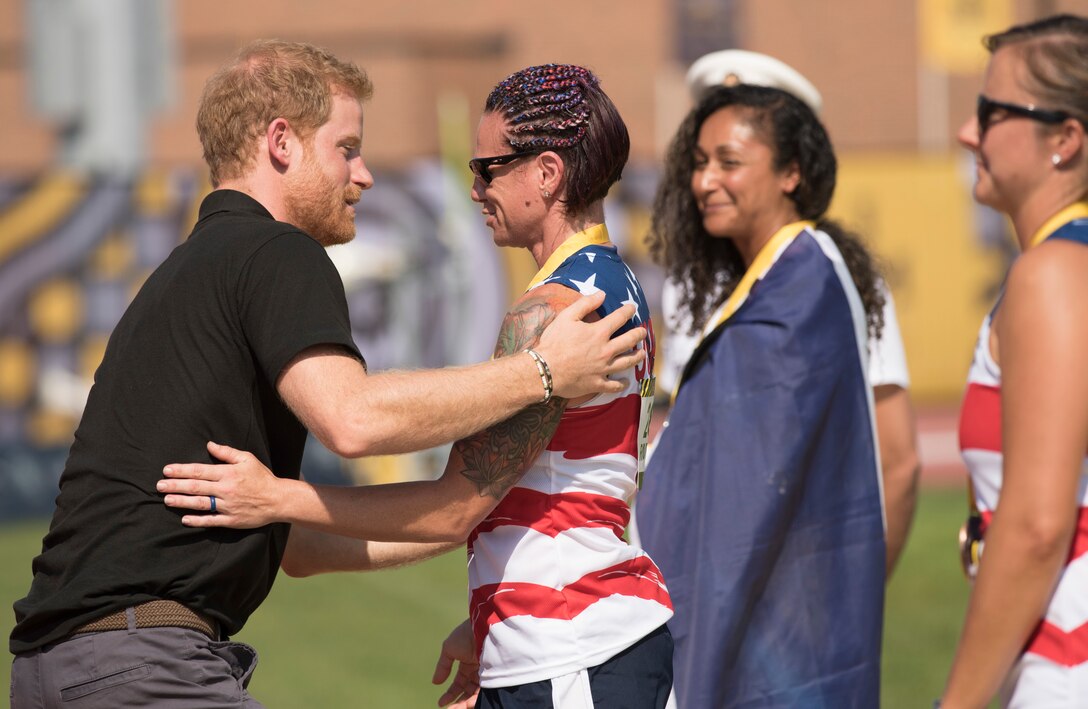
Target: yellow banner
{"points": [[943, 255], [951, 32]]}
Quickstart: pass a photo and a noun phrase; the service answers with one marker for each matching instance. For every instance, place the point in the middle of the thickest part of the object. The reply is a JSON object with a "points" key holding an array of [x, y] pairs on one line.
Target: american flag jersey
{"points": [[1060, 642], [554, 587]]}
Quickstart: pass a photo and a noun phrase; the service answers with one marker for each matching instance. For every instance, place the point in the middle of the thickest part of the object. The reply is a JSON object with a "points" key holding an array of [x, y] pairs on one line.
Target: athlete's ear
{"points": [[550, 169], [1067, 141]]}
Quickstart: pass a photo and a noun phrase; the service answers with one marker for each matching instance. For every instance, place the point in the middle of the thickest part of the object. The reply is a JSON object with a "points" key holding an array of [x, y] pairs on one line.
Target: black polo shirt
{"points": [[194, 358]]}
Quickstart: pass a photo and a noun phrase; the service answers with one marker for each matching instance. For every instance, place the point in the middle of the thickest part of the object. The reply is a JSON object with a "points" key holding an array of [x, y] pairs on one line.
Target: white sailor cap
{"points": [[737, 66]]}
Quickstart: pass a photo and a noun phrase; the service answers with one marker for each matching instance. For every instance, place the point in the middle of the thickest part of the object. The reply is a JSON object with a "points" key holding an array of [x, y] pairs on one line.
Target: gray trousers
{"points": [[172, 668]]}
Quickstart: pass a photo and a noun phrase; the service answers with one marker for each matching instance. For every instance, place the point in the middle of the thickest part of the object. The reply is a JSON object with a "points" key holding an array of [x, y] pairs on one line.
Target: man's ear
{"points": [[279, 139]]}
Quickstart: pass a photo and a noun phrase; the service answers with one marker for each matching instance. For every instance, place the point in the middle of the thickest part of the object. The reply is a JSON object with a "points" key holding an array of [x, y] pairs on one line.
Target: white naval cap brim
{"points": [[714, 69]]}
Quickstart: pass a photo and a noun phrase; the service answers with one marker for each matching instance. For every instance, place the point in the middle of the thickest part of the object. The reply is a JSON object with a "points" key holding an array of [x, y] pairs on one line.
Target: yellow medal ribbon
{"points": [[759, 267], [594, 235], [1077, 210]]}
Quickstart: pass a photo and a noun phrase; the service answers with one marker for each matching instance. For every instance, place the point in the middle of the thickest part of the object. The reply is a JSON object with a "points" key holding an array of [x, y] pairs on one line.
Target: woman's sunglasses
{"points": [[481, 167], [987, 107]]}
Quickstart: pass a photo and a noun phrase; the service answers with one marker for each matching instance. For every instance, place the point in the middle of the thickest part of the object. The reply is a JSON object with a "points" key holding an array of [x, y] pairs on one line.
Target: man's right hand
{"points": [[581, 355]]}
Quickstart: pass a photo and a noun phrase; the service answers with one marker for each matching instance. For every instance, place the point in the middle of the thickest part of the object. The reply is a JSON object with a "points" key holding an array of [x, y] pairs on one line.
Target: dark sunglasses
{"points": [[481, 167], [987, 107]]}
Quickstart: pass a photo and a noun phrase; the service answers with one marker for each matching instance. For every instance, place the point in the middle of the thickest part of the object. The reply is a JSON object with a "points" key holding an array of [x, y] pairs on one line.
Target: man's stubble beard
{"points": [[317, 206]]}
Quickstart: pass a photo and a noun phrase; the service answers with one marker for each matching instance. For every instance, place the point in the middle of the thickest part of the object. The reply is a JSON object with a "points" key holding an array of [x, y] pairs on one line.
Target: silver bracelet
{"points": [[545, 374]]}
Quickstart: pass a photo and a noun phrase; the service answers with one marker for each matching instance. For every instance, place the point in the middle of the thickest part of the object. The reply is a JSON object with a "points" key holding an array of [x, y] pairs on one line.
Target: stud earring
{"points": [[547, 194], [1056, 159]]}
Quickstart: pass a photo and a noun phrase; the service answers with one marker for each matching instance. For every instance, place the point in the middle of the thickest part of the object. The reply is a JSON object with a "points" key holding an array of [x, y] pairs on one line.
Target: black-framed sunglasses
{"points": [[986, 108], [481, 167]]}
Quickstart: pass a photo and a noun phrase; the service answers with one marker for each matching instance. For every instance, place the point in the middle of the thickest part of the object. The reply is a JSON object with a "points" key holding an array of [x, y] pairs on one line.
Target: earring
{"points": [[1056, 159], [547, 194]]}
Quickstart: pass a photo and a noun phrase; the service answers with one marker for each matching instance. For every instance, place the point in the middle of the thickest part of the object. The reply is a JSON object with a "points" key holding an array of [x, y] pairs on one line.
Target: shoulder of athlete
{"points": [[530, 315], [1047, 291], [1054, 271]]}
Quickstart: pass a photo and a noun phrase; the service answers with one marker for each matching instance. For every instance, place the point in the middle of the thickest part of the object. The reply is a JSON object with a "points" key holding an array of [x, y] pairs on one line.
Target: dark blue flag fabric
{"points": [[762, 501]]}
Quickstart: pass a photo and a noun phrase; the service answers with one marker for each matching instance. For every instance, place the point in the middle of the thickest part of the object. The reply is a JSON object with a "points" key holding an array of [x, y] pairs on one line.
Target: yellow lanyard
{"points": [[760, 265], [594, 235], [1077, 210]]}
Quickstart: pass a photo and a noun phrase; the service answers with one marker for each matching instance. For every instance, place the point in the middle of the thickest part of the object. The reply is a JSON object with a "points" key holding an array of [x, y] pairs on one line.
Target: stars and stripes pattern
{"points": [[554, 587]]}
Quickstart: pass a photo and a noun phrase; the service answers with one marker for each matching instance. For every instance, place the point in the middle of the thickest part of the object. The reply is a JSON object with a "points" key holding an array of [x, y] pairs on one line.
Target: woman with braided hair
{"points": [[762, 500], [563, 612]]}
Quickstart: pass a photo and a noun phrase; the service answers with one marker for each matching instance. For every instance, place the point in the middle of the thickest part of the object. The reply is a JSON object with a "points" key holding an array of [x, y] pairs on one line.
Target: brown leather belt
{"points": [[154, 614]]}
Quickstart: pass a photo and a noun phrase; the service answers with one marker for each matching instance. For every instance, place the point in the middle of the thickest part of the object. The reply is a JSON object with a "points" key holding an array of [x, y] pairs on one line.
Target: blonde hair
{"points": [[1055, 52], [270, 79]]}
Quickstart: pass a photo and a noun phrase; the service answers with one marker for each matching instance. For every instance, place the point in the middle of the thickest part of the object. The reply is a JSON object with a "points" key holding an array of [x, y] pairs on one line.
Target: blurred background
{"points": [[101, 175]]}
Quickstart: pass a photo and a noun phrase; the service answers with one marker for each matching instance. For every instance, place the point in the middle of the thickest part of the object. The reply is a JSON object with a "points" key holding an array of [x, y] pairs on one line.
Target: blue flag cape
{"points": [[762, 502]]}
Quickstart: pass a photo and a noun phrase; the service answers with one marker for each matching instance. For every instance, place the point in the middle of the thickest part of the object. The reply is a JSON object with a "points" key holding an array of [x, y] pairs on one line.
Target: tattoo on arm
{"points": [[495, 459], [522, 326]]}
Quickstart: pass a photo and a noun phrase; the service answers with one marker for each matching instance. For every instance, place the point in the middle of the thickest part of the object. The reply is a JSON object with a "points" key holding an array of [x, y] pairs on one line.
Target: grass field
{"points": [[370, 640]]}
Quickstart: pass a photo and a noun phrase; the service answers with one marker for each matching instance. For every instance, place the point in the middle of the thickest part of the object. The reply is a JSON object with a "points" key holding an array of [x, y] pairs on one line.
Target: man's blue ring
{"points": [[212, 498]]}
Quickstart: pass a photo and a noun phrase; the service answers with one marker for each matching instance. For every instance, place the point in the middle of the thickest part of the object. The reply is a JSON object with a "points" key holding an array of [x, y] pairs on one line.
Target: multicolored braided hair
{"points": [[561, 107]]}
